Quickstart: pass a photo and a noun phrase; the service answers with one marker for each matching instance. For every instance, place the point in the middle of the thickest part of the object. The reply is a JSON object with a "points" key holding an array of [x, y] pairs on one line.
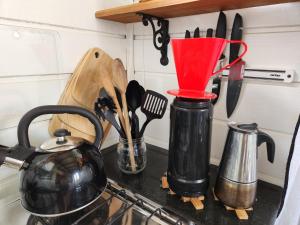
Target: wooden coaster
{"points": [[185, 199], [197, 201], [240, 213], [171, 192], [164, 183]]}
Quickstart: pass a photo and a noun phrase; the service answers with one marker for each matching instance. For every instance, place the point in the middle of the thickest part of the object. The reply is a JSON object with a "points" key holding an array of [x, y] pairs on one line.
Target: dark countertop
{"points": [[147, 183]]}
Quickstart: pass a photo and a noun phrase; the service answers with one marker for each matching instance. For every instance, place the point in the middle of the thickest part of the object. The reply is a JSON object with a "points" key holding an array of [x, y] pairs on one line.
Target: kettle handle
{"points": [[56, 109], [264, 137]]}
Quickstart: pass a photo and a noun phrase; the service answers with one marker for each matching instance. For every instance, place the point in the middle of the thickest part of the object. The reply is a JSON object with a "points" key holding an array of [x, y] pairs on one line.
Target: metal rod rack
{"points": [[130, 201]]}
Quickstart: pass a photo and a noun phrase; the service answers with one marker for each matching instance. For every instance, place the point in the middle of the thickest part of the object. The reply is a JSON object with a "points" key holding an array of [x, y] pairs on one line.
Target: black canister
{"points": [[189, 146]]}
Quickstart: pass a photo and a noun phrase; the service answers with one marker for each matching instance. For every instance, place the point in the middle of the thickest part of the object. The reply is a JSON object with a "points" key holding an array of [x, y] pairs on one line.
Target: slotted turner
{"points": [[154, 106]]}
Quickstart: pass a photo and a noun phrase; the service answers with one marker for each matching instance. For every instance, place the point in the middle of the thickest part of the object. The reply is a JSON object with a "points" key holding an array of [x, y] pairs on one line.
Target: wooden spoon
{"points": [[120, 81]]}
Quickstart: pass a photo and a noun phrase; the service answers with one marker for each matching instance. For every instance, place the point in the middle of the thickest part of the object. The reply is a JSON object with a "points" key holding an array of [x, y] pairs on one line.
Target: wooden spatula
{"points": [[120, 81]]}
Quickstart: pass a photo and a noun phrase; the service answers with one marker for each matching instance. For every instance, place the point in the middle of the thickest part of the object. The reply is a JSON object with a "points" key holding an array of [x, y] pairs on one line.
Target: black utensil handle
{"points": [[57, 109], [144, 127], [135, 125], [263, 137]]}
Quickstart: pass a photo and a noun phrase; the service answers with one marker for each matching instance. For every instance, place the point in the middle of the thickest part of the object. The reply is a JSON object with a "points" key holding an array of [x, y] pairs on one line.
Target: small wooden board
{"points": [[197, 201], [82, 90], [240, 213]]}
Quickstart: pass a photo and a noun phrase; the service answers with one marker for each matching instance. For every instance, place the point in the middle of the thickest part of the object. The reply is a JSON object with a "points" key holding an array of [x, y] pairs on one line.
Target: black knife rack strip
{"points": [[161, 37]]}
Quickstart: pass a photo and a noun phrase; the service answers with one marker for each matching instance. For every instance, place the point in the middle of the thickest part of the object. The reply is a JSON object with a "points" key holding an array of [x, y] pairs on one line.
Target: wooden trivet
{"points": [[240, 213], [197, 201]]}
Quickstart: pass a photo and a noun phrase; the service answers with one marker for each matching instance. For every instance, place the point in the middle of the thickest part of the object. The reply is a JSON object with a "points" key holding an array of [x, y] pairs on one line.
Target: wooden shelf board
{"points": [[177, 8]]}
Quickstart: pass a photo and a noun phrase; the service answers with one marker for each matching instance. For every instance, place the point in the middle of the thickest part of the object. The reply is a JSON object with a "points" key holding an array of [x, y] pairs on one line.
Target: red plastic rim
{"points": [[192, 94]]}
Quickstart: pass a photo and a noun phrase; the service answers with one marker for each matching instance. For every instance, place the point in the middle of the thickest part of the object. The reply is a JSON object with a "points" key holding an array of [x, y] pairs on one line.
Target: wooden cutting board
{"points": [[82, 90]]}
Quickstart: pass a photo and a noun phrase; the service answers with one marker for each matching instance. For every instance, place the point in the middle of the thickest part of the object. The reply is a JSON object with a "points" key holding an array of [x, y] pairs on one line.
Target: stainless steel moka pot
{"points": [[237, 177]]}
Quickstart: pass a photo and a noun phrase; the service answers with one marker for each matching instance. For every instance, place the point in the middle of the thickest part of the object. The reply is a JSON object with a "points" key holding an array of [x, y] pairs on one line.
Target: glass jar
{"points": [[140, 156]]}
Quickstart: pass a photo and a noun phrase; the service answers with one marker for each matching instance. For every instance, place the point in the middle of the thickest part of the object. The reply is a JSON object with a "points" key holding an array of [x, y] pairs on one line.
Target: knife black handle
{"points": [[221, 28], [197, 33], [236, 34], [187, 34], [209, 32]]}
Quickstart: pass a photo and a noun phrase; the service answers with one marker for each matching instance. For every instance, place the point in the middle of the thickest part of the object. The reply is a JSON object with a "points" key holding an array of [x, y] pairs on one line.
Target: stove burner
{"points": [[94, 214], [115, 207]]}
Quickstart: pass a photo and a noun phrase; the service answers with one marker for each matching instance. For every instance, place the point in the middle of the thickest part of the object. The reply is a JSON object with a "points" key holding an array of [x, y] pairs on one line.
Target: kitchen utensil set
{"points": [[152, 104], [120, 97]]}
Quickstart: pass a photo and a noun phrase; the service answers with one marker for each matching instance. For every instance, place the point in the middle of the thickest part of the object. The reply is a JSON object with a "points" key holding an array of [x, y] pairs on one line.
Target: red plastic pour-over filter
{"points": [[195, 60]]}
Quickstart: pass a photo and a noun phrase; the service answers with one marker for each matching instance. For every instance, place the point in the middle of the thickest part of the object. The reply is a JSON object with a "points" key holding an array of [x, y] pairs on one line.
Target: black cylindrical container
{"points": [[189, 146]]}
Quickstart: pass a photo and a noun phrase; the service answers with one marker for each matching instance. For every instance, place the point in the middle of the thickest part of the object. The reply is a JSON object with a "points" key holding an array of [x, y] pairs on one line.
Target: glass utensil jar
{"points": [[140, 155]]}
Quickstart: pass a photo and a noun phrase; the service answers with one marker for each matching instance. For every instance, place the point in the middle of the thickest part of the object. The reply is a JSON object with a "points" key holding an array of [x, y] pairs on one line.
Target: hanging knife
{"points": [[209, 32], [220, 33], [197, 33], [187, 34], [235, 77]]}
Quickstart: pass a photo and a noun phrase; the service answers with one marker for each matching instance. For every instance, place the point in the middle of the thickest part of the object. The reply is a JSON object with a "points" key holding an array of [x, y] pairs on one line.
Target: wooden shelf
{"points": [[177, 8]]}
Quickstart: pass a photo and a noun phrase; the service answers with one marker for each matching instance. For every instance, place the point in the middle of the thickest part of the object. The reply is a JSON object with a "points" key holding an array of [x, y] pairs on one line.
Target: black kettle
{"points": [[63, 175]]}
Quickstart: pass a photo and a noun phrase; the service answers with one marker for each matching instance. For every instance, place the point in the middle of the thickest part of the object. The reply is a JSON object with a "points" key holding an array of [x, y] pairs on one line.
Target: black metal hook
{"points": [[161, 37]]}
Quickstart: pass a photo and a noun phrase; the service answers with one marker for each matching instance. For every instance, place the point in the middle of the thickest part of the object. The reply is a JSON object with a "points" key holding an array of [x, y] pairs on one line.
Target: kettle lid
{"points": [[244, 128], [63, 141]]}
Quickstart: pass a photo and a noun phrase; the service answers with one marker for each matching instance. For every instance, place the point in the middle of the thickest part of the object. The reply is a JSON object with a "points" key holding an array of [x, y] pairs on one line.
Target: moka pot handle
{"points": [[264, 137]]}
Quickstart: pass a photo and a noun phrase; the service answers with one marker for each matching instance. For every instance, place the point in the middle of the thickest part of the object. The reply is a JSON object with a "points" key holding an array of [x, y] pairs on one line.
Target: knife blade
{"points": [[220, 33], [235, 78], [234, 86]]}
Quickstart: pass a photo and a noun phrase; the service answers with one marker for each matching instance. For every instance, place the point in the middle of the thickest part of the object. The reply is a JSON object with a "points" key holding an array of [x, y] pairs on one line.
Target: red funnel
{"points": [[195, 60]]}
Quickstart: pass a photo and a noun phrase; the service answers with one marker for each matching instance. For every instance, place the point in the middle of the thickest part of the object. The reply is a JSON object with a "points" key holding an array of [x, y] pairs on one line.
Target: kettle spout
{"points": [[14, 157], [13, 163]]}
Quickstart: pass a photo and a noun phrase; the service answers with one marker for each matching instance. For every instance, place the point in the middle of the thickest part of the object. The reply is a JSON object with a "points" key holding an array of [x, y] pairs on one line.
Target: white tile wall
{"points": [[41, 43], [273, 37]]}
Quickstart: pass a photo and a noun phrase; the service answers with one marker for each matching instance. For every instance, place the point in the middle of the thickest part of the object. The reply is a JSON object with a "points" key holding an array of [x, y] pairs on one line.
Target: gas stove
{"points": [[116, 206]]}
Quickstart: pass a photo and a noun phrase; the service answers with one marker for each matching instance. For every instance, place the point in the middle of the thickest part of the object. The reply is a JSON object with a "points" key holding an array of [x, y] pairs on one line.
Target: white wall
{"points": [[273, 36], [41, 43]]}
